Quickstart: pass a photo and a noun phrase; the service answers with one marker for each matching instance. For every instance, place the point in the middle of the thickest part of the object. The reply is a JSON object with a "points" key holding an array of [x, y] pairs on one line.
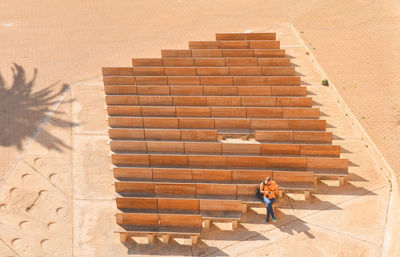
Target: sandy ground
{"points": [[47, 45]]}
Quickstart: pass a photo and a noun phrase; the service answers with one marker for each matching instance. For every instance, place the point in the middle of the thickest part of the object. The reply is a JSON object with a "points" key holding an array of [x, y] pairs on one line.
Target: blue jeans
{"points": [[268, 203]]}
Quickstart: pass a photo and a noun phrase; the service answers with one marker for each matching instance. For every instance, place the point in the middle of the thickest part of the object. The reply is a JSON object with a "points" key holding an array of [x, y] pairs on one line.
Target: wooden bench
{"points": [[260, 80], [231, 161], [226, 112], [137, 204], [216, 191], [246, 193], [220, 210], [137, 223], [245, 36], [294, 180], [134, 188], [213, 53], [175, 190], [178, 206], [242, 44], [215, 123], [209, 62], [255, 70], [213, 71], [227, 101], [158, 224], [177, 224], [294, 136], [250, 176], [164, 134]]}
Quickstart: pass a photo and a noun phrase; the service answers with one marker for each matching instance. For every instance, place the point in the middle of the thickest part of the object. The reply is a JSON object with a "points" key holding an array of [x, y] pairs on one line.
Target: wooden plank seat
{"points": [[209, 209], [164, 225], [319, 137], [225, 148], [230, 161], [216, 123], [220, 210], [207, 53], [205, 90], [205, 62], [242, 44], [245, 36], [228, 101], [177, 224], [137, 204], [213, 71], [223, 112], [164, 134], [254, 70], [242, 80], [137, 224], [292, 180]]}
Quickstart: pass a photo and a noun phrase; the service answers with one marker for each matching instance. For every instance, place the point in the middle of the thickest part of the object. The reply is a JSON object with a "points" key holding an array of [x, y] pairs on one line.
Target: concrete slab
{"points": [[92, 176], [94, 221], [88, 108]]}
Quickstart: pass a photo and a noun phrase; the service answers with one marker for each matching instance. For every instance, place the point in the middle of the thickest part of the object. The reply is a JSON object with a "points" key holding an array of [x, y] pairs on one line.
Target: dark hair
{"points": [[268, 179]]}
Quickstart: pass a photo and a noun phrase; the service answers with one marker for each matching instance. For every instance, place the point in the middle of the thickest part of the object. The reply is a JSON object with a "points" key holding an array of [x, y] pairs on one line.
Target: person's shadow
{"points": [[22, 110], [296, 225]]}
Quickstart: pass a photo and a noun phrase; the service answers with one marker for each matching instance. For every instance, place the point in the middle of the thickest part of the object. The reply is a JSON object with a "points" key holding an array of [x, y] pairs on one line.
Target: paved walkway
{"points": [[60, 202]]}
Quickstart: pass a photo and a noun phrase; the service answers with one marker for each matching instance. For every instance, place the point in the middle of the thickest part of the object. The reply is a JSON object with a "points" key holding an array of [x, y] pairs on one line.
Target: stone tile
{"points": [[88, 109], [92, 176], [362, 218], [94, 223]]}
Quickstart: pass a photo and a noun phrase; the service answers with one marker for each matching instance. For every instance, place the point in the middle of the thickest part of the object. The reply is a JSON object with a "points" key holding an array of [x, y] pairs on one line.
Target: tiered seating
{"points": [[172, 120]]}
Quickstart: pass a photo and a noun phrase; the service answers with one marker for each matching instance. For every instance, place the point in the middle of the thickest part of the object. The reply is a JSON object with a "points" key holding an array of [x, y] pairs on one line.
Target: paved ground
{"points": [[67, 41], [58, 200]]}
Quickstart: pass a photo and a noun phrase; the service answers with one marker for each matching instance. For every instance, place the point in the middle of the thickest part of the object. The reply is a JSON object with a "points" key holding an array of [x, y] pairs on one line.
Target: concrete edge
{"points": [[373, 150]]}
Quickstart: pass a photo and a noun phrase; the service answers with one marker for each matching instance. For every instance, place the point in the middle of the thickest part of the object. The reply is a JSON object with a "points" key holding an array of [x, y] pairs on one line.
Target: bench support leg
{"points": [[207, 223], [235, 224], [244, 208], [166, 238], [342, 180], [195, 239], [307, 195], [315, 181], [123, 237], [274, 208], [151, 238], [280, 193]]}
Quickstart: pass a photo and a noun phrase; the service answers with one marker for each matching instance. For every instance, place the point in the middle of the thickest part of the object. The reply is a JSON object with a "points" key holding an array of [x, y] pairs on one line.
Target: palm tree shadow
{"points": [[22, 110]]}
